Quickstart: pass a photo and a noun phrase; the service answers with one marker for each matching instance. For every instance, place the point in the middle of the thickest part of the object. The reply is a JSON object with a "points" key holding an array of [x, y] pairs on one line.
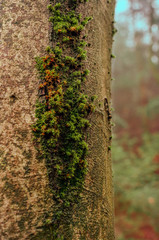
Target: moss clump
{"points": [[61, 114]]}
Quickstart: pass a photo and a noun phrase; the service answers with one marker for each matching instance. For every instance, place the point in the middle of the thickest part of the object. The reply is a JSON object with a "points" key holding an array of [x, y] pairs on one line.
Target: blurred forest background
{"points": [[136, 134]]}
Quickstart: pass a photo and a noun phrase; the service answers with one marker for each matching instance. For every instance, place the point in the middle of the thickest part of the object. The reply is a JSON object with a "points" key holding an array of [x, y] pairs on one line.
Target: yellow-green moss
{"points": [[61, 113]]}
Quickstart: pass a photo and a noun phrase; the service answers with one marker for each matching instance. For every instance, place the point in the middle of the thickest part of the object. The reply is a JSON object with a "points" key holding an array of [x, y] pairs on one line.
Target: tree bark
{"points": [[24, 195]]}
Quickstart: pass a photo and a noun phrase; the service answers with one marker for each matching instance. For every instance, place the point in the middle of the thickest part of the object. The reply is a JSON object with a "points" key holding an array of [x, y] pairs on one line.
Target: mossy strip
{"points": [[62, 111]]}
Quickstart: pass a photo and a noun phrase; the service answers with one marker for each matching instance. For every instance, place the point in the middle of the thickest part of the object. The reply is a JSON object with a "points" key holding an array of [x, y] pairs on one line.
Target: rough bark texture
{"points": [[98, 196], [24, 195], [24, 35]]}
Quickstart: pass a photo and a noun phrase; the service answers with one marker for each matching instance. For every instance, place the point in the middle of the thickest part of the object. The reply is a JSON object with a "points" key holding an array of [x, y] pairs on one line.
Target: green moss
{"points": [[61, 117], [113, 56]]}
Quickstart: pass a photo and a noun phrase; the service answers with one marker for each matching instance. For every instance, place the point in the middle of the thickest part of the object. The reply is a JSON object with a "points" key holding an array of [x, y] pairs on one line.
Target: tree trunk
{"points": [[25, 198]]}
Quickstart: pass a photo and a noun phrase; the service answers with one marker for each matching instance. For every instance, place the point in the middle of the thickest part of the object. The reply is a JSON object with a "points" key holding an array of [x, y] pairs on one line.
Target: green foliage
{"points": [[136, 180], [152, 107], [61, 116]]}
